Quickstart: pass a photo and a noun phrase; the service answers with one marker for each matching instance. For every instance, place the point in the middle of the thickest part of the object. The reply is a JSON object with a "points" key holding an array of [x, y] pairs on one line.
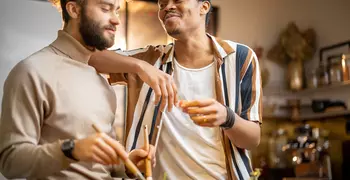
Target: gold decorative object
{"points": [[293, 48], [295, 74]]}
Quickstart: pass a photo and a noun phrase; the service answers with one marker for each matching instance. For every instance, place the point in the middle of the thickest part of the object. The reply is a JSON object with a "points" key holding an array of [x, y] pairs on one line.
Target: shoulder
{"points": [[243, 54], [240, 49], [34, 67]]}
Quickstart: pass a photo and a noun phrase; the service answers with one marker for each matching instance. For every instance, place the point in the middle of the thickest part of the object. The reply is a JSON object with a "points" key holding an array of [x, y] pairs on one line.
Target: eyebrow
{"points": [[109, 3]]}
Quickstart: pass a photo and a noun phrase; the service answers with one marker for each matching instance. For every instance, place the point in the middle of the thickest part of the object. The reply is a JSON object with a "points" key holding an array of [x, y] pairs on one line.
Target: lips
{"points": [[170, 15], [112, 30]]}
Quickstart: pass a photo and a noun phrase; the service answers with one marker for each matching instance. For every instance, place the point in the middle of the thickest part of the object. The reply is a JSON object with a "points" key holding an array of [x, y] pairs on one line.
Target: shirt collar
{"points": [[221, 50], [69, 46]]}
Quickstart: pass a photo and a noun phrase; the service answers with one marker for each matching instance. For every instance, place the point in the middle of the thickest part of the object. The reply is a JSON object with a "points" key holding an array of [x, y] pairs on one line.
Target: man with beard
{"points": [[52, 98], [218, 119]]}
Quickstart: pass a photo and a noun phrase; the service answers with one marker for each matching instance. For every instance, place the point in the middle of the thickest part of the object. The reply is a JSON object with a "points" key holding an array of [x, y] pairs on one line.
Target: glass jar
{"points": [[346, 59], [323, 76], [335, 70], [312, 79]]}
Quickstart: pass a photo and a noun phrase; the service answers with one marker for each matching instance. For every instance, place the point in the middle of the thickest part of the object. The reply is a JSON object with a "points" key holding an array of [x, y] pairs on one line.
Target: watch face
{"points": [[67, 145]]}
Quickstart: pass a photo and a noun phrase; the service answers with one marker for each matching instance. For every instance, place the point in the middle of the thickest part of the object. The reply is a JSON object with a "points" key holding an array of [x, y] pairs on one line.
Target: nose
{"points": [[115, 19], [170, 6]]}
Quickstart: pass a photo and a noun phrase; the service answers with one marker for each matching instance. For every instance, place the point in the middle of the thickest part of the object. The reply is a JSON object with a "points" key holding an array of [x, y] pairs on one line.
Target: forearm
{"points": [[27, 160], [244, 134], [111, 62]]}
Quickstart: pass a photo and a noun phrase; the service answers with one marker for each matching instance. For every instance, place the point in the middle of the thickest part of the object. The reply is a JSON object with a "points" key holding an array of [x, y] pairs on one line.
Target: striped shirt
{"points": [[237, 85]]}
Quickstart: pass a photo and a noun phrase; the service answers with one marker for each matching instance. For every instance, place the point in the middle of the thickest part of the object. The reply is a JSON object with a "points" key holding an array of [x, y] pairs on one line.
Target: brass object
{"points": [[346, 61], [295, 75], [293, 48], [293, 44], [255, 174]]}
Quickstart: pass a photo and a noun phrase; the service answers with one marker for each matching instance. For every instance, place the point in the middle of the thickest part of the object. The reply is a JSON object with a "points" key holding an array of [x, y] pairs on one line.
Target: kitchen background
{"points": [[296, 141]]}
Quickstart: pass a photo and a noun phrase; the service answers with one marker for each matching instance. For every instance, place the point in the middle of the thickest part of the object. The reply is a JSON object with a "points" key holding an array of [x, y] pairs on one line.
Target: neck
{"points": [[73, 30], [194, 49]]}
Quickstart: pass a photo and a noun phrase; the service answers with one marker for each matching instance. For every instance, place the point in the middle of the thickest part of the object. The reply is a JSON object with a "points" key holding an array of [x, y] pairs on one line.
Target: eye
{"points": [[162, 5], [105, 8]]}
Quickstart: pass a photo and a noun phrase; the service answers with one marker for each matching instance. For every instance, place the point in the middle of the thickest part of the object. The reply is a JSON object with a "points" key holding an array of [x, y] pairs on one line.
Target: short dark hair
{"points": [[207, 17], [61, 5]]}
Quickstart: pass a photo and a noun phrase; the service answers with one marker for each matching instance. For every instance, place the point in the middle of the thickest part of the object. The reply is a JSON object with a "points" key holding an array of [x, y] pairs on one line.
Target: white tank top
{"points": [[186, 150]]}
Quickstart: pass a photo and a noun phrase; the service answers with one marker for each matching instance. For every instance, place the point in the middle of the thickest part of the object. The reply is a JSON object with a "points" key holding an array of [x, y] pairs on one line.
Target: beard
{"points": [[92, 33], [173, 32]]}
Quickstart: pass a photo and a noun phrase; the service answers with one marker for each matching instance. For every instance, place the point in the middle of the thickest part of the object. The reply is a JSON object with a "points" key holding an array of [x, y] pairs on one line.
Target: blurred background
{"points": [[304, 53]]}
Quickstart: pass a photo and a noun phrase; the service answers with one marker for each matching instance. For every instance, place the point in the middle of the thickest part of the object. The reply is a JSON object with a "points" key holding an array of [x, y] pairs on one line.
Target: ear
{"points": [[73, 9], [205, 8]]}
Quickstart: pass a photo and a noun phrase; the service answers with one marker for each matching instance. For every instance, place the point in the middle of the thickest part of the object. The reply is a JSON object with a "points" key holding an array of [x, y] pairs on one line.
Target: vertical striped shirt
{"points": [[237, 85]]}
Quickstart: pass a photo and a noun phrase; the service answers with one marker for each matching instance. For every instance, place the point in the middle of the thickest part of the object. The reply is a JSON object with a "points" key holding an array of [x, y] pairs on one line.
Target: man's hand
{"points": [[99, 148], [159, 81], [137, 156], [206, 113], [162, 84]]}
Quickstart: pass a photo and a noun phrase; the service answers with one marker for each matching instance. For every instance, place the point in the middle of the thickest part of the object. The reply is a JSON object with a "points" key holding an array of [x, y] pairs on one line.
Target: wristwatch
{"points": [[67, 148]]}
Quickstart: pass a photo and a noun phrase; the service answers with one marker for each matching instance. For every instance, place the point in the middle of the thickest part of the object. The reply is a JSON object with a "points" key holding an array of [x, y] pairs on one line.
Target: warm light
{"points": [[344, 68], [285, 147], [295, 159], [119, 42]]}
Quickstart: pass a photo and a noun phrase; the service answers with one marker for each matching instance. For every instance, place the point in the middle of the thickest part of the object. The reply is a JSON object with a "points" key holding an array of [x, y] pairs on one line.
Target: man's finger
{"points": [[118, 148], [141, 165], [170, 97], [175, 92], [108, 150], [206, 125], [197, 103], [202, 110], [97, 159], [204, 119], [154, 162], [164, 97], [102, 156], [151, 153], [157, 93], [138, 154]]}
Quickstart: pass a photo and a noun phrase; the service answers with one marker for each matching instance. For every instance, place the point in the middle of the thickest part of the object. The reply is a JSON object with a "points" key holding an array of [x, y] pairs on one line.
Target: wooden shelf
{"points": [[309, 116], [304, 92]]}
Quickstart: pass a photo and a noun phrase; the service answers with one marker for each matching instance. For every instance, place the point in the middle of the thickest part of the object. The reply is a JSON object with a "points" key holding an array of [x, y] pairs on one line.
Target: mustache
{"points": [[171, 12], [111, 27]]}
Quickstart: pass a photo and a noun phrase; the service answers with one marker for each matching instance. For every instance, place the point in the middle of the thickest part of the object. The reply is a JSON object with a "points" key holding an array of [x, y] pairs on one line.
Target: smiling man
{"points": [[208, 136], [53, 97]]}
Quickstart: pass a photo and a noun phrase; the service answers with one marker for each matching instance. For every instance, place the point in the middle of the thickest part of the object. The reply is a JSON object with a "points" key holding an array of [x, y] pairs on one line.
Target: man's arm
{"points": [[245, 133], [162, 83], [112, 62], [22, 117]]}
